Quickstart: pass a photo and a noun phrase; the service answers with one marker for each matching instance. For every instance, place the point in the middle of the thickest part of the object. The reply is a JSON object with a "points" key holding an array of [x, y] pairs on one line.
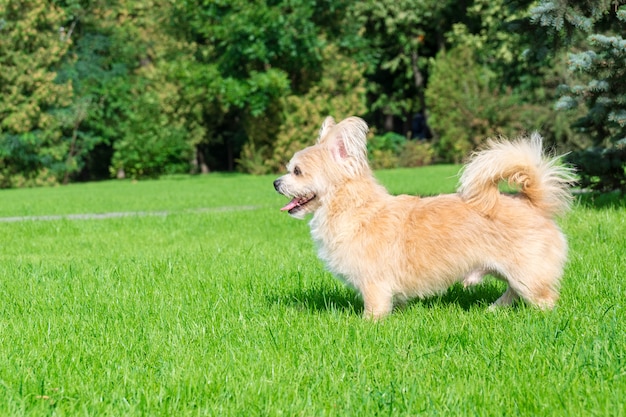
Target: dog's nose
{"points": [[276, 184]]}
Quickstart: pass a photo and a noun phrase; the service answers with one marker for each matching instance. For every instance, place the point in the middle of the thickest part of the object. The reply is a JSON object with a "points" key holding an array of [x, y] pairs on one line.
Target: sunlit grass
{"points": [[228, 311]]}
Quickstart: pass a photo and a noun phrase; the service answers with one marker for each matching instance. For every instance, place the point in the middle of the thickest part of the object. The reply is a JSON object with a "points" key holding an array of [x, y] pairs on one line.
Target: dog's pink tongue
{"points": [[293, 203]]}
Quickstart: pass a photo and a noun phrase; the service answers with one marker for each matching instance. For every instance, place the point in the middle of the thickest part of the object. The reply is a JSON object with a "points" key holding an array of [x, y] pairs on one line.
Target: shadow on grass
{"points": [[320, 299], [465, 298], [345, 300]]}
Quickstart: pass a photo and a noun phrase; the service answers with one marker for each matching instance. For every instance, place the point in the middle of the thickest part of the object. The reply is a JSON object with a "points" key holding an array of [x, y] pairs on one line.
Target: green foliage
{"points": [[389, 141], [155, 118], [260, 53], [454, 100], [599, 84], [246, 39], [466, 108], [252, 161], [416, 154], [399, 38], [604, 91], [145, 88], [339, 93], [600, 169], [151, 147], [392, 150], [100, 98], [563, 16], [383, 150], [31, 146], [499, 34]]}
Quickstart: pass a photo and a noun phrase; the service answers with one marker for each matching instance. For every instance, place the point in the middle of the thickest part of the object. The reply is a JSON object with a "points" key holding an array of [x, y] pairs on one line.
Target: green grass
{"points": [[211, 309]]}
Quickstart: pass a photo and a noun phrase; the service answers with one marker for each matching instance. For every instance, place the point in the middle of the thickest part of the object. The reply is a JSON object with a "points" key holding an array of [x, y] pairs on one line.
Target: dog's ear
{"points": [[348, 143], [351, 137], [328, 124]]}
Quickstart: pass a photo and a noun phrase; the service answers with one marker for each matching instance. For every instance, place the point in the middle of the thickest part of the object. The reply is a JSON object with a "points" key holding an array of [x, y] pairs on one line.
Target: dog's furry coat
{"points": [[399, 247]]}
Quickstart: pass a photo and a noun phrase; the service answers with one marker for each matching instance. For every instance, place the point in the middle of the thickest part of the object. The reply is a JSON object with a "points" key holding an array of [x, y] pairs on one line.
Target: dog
{"points": [[395, 248]]}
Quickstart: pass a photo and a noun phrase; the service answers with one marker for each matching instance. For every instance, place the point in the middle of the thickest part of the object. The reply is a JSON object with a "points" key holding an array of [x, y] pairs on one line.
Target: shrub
{"points": [[416, 154], [252, 160], [601, 169], [339, 93], [390, 141], [383, 150], [466, 107], [392, 150]]}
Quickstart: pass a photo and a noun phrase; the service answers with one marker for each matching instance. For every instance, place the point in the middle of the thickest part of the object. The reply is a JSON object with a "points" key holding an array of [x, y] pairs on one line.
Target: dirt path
{"points": [[118, 214]]}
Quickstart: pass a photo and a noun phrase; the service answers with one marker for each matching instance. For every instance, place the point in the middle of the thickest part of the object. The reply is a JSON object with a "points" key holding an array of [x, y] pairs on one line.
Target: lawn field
{"points": [[196, 296]]}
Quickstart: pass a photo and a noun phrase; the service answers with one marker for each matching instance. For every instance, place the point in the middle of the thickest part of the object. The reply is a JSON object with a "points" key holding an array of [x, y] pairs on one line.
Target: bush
{"points": [[156, 151], [339, 93], [389, 141], [416, 154], [252, 160], [392, 150], [600, 169], [383, 150], [466, 107]]}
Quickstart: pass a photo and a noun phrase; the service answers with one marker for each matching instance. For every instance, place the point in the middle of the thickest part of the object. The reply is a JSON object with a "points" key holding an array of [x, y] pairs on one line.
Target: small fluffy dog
{"points": [[400, 247]]}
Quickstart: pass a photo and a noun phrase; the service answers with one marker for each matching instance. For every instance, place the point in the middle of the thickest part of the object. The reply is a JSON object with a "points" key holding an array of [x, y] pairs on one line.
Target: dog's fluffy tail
{"points": [[521, 163]]}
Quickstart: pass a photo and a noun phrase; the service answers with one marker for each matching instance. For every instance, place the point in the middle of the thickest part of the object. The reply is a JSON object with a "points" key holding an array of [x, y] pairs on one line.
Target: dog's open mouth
{"points": [[297, 203]]}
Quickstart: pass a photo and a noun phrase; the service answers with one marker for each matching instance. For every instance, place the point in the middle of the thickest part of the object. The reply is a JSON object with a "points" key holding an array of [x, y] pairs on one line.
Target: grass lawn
{"points": [[201, 298]]}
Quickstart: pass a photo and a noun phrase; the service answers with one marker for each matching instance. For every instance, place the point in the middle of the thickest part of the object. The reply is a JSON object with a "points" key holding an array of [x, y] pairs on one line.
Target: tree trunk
{"points": [[200, 162], [388, 122], [419, 80]]}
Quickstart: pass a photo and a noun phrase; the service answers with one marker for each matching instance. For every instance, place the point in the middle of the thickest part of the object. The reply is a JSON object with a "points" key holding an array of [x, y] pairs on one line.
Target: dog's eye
{"points": [[296, 171]]}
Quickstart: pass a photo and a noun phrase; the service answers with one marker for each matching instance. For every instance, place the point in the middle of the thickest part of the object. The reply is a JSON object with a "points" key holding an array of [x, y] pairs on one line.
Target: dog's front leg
{"points": [[378, 301]]}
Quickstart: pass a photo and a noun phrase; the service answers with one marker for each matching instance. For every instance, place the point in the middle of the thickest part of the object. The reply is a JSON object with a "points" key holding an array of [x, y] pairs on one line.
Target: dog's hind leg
{"points": [[541, 295], [506, 299], [535, 273], [378, 301], [537, 288]]}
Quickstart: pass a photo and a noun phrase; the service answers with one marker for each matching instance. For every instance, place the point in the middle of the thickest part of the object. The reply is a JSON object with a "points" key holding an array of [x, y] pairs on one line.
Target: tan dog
{"points": [[399, 247]]}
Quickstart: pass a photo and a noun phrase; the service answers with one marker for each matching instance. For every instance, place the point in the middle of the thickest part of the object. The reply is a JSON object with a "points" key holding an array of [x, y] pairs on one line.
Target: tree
{"points": [[128, 125], [92, 123], [256, 54], [339, 93], [399, 37], [32, 44], [498, 33], [470, 106], [601, 83]]}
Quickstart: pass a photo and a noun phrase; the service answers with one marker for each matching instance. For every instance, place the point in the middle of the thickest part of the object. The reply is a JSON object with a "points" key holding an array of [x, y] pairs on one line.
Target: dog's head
{"points": [[314, 172]]}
